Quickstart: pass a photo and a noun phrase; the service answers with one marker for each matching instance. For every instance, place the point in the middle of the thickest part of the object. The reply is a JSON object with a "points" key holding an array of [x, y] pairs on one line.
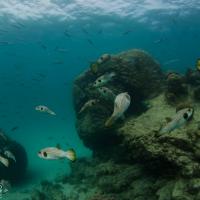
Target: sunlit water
{"points": [[44, 45]]}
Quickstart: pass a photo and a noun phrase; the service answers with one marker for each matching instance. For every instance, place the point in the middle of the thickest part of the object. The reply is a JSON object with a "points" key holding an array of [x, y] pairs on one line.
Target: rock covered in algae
{"points": [[176, 88], [16, 169], [177, 151], [136, 72]]}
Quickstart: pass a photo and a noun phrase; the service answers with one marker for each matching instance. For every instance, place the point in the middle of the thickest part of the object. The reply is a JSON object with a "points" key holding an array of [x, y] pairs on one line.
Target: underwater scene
{"points": [[100, 100]]}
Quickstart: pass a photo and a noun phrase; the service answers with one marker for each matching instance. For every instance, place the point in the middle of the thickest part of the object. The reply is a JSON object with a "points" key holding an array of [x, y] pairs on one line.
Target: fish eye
{"points": [[45, 154], [99, 81], [104, 91], [39, 152], [41, 108], [185, 116]]}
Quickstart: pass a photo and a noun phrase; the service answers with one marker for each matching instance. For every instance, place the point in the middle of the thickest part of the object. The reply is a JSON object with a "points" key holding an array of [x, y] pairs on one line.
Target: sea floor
{"points": [[35, 136]]}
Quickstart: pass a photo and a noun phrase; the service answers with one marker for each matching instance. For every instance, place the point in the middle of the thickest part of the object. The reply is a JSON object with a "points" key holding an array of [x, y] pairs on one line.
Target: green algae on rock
{"points": [[136, 73]]}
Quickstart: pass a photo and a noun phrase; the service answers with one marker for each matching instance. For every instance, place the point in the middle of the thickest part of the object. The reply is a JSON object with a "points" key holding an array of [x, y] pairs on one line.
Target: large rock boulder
{"points": [[17, 168], [136, 73]]}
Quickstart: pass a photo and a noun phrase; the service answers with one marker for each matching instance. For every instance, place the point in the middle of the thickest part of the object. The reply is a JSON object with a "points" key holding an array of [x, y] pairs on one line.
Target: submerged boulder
{"points": [[17, 164], [136, 72]]}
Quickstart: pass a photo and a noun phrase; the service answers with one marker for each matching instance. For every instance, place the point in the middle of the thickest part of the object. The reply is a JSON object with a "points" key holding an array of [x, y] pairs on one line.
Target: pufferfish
{"points": [[121, 104], [198, 64]]}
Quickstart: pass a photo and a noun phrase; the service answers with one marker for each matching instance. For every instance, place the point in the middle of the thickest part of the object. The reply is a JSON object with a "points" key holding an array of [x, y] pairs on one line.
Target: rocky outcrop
{"points": [[17, 166], [136, 72]]}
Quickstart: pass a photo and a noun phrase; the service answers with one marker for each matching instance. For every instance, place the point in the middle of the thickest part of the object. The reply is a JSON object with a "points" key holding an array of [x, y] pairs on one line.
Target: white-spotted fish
{"points": [[88, 104], [44, 109], [180, 119], [10, 155], [54, 153], [121, 104], [104, 79], [107, 93]]}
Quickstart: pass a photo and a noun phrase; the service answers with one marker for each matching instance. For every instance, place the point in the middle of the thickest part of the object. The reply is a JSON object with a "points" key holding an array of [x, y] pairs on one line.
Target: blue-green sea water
{"points": [[46, 44]]}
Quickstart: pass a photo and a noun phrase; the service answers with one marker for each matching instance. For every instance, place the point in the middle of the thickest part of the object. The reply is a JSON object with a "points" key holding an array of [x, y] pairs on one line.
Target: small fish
{"points": [[44, 109], [198, 64], [181, 117], [54, 153], [66, 33], [88, 104], [171, 62], [14, 128], [121, 104], [127, 32], [58, 62], [10, 155], [61, 50], [4, 161], [5, 186], [104, 79], [85, 31], [90, 42], [107, 93]]}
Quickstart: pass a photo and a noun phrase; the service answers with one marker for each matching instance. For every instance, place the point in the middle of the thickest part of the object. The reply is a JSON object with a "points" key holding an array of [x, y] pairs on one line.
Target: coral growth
{"points": [[176, 88], [133, 159], [136, 72]]}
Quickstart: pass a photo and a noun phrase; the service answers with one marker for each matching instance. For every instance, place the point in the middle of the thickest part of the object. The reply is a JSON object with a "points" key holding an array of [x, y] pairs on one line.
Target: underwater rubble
{"points": [[134, 158]]}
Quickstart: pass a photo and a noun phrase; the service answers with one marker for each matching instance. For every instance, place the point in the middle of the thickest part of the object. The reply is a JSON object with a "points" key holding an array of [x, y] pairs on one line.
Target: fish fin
{"points": [[51, 112], [110, 122], [168, 119], [71, 155], [4, 161]]}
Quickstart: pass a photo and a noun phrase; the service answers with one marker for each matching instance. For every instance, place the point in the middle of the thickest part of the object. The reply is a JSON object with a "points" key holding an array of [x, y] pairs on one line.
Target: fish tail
{"points": [[4, 161], [81, 110], [51, 112], [110, 121], [71, 155]]}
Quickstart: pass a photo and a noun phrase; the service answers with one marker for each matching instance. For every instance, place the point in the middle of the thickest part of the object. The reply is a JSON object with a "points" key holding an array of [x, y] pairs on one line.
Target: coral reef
{"points": [[134, 159], [16, 169], [136, 73], [176, 88]]}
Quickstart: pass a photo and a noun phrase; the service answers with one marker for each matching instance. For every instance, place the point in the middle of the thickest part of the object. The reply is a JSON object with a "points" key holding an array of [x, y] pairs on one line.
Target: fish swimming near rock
{"points": [[44, 109], [121, 104], [105, 57], [106, 93], [88, 104], [10, 155], [4, 161], [55, 153], [198, 64], [104, 79], [181, 118], [5, 186]]}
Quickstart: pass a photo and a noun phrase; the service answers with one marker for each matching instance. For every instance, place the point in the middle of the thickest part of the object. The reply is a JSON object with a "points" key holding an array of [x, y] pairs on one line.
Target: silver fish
{"points": [[10, 155], [121, 104], [44, 109], [107, 93], [4, 161], [104, 79], [181, 118], [88, 104]]}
